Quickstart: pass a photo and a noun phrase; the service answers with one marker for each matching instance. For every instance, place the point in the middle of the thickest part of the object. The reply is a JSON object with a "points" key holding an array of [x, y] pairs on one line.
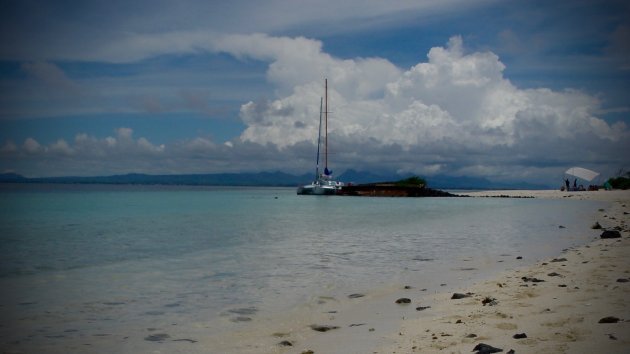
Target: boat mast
{"points": [[326, 120], [319, 137]]}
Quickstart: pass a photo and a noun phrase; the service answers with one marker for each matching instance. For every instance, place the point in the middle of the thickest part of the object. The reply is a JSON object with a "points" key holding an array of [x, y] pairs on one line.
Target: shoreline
{"points": [[557, 315]]}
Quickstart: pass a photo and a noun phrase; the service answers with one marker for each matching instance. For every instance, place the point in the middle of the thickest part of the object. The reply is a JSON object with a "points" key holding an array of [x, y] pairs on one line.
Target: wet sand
{"points": [[552, 306]]}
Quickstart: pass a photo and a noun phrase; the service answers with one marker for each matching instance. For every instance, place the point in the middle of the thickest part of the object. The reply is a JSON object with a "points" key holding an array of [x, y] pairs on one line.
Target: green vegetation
{"points": [[620, 182], [413, 181]]}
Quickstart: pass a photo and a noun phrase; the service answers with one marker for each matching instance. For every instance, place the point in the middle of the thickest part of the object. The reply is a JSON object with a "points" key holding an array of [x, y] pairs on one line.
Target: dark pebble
{"points": [[610, 234], [482, 348], [622, 280], [185, 340], [596, 226], [611, 336], [355, 296], [609, 319], [519, 257], [320, 328], [562, 286], [511, 351], [472, 335], [285, 343], [158, 337], [531, 279], [407, 287], [241, 319], [422, 308], [457, 296], [403, 300], [562, 227], [490, 301], [519, 336], [554, 274], [558, 260]]}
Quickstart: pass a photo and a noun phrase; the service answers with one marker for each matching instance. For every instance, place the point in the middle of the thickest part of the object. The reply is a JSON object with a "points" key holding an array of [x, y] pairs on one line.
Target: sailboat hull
{"points": [[312, 189]]}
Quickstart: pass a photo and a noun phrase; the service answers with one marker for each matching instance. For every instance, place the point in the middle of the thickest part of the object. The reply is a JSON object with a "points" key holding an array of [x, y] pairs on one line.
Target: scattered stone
{"points": [[596, 226], [185, 340], [403, 300], [609, 319], [458, 322], [490, 301], [562, 286], [457, 296], [472, 335], [482, 348], [320, 328], [407, 287], [285, 343], [622, 280], [356, 324], [611, 336], [158, 337], [371, 330], [511, 351], [531, 279], [422, 308], [555, 260], [355, 296], [554, 274], [519, 257], [519, 336], [241, 319], [562, 227], [610, 234], [308, 352]]}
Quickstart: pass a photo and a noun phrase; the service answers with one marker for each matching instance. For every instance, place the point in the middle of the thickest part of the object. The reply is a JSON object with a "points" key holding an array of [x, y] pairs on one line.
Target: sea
{"points": [[144, 269]]}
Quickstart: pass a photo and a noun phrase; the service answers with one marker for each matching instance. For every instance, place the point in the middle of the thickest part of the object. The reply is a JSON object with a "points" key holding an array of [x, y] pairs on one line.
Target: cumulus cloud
{"points": [[457, 108]]}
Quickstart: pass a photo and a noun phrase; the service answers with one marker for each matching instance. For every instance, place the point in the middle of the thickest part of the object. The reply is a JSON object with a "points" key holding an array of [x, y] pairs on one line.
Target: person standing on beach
{"points": [[566, 181]]}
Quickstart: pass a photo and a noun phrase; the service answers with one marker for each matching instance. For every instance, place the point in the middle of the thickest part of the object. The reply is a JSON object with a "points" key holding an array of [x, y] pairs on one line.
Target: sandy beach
{"points": [[552, 306]]}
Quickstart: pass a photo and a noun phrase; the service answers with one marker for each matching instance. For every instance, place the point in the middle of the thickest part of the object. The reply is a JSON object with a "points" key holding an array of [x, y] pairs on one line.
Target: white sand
{"points": [[559, 315]]}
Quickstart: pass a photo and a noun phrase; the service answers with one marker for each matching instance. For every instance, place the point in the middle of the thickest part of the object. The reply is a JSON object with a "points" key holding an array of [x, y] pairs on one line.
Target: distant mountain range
{"points": [[272, 179]]}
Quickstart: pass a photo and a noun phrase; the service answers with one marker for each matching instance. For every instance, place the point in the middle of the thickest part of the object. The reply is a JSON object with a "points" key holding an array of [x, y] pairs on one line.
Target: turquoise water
{"points": [[93, 265]]}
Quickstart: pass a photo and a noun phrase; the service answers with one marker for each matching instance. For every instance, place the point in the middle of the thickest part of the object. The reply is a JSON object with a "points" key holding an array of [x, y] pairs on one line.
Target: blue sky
{"points": [[508, 90]]}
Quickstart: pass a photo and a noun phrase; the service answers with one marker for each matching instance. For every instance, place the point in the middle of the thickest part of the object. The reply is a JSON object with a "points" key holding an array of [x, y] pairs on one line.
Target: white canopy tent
{"points": [[582, 173]]}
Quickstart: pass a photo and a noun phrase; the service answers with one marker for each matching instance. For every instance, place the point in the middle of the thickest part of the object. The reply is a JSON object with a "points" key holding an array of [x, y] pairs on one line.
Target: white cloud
{"points": [[31, 145], [455, 106]]}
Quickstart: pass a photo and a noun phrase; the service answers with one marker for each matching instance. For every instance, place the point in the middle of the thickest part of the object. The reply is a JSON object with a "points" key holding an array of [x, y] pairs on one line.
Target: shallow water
{"points": [[115, 268]]}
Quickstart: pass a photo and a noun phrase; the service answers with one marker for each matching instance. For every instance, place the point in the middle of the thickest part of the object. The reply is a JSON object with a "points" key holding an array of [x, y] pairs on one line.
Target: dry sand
{"points": [[558, 315]]}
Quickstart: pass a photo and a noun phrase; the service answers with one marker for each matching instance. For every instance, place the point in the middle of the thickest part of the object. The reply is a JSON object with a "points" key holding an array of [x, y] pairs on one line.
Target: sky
{"points": [[506, 90]]}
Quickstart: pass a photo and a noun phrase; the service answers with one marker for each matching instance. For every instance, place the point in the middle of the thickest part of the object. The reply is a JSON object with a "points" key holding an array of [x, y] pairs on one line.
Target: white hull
{"points": [[315, 189]]}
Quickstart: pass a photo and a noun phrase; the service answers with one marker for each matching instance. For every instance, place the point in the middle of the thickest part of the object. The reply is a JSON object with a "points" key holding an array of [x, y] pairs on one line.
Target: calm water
{"points": [[101, 267]]}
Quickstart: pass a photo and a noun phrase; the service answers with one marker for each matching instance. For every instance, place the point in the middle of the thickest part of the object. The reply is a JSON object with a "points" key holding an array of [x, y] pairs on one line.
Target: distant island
{"points": [[268, 179]]}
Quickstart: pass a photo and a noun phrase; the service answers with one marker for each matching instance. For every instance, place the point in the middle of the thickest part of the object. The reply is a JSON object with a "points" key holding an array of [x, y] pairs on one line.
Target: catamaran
{"points": [[324, 184]]}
